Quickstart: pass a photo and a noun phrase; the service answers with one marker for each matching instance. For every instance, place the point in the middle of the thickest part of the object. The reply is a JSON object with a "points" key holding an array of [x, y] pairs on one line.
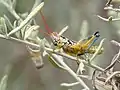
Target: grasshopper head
{"points": [[57, 40]]}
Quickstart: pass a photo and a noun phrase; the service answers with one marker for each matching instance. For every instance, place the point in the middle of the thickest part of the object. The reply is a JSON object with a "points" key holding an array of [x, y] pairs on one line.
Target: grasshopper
{"points": [[74, 48]]}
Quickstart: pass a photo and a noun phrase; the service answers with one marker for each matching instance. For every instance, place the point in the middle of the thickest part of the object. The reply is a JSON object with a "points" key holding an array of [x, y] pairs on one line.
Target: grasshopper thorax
{"points": [[59, 40]]}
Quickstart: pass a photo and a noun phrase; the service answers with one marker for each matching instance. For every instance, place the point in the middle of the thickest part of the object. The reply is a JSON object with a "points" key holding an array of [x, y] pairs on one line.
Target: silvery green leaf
{"points": [[69, 84], [8, 23], [14, 4], [2, 20], [24, 15], [15, 24], [3, 82], [81, 68], [84, 29], [32, 32], [23, 30], [52, 60], [35, 32], [36, 50], [38, 40], [41, 42], [8, 2], [63, 30], [46, 43], [1, 29], [3, 26], [54, 63], [45, 53], [118, 32]]}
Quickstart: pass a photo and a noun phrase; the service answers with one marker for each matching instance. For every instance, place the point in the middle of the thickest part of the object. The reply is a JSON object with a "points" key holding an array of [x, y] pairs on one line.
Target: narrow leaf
{"points": [[3, 82], [54, 63]]}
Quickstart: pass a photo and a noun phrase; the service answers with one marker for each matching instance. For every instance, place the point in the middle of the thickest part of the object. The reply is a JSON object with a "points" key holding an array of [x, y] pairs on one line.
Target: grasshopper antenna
{"points": [[47, 34], [45, 23]]}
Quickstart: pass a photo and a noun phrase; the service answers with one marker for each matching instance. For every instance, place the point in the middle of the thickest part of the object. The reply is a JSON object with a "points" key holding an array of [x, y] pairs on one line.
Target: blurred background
{"points": [[80, 16]]}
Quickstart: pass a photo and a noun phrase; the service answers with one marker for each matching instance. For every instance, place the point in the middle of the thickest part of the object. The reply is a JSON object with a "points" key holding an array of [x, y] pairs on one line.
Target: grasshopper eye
{"points": [[54, 42]]}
